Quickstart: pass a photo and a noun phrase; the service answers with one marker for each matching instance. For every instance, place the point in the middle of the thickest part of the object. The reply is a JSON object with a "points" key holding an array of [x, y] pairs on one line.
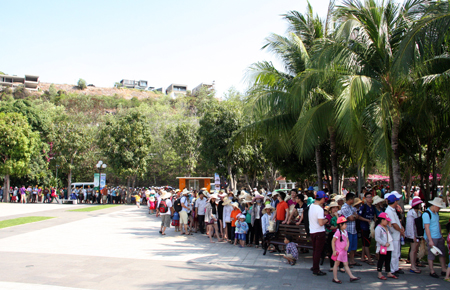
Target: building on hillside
{"points": [[175, 90], [196, 90], [132, 84], [30, 82]]}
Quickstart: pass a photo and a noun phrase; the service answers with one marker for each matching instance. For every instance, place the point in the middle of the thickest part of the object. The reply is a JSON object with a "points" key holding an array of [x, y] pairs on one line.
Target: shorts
{"points": [[165, 220], [353, 239], [183, 217], [290, 256], [241, 237], [440, 244], [175, 223], [104, 198], [365, 237]]}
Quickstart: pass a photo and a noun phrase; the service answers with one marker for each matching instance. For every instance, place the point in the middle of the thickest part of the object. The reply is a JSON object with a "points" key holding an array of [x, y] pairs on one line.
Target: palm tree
{"points": [[377, 47]]}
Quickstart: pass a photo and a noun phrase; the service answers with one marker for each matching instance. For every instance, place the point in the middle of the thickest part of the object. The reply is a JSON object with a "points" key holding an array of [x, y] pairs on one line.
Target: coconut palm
{"points": [[377, 47]]}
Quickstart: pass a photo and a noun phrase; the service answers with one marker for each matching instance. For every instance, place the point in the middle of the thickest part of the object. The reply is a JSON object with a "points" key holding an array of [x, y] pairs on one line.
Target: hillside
{"points": [[122, 92]]}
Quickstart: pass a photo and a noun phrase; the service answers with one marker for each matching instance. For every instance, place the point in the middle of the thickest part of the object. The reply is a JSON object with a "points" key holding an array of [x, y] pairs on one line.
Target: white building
{"points": [[30, 82]]}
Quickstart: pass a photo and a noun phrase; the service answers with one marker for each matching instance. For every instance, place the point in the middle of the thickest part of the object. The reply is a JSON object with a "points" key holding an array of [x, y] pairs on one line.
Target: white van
{"points": [[82, 185]]}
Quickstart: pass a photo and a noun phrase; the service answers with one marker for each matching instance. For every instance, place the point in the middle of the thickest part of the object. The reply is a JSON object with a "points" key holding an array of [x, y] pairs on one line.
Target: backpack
{"points": [[177, 205], [419, 224], [163, 206]]}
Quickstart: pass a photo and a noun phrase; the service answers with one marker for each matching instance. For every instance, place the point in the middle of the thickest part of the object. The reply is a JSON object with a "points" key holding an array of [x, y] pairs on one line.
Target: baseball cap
{"points": [[321, 194], [384, 215], [392, 198]]}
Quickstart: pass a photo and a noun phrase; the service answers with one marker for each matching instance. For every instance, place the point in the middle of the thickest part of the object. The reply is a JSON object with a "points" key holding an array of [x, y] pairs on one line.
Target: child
{"points": [[138, 200], [241, 230], [291, 250], [384, 246], [340, 244], [447, 276], [236, 211], [176, 221], [151, 203]]}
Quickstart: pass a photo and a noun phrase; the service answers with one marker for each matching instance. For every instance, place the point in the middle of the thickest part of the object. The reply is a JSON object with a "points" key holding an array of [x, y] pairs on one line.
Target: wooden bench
{"points": [[298, 233]]}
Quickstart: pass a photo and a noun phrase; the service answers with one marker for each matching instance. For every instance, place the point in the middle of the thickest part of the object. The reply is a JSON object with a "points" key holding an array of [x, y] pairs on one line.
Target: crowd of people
{"points": [[334, 223]]}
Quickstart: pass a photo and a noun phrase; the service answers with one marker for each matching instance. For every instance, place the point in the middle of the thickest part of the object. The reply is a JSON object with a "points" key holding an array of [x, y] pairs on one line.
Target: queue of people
{"points": [[335, 224]]}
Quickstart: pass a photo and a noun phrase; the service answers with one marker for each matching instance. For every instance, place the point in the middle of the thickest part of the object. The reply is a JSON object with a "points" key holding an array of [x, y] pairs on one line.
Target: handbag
{"points": [[334, 258], [272, 226], [383, 250]]}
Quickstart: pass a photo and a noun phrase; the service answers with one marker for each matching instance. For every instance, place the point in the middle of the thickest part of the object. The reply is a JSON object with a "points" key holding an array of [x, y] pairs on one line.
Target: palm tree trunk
{"points": [[397, 178], [334, 162], [319, 168]]}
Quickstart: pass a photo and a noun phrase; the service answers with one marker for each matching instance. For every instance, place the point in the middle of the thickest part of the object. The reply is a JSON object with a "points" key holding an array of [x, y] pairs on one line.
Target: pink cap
{"points": [[416, 201], [384, 215]]}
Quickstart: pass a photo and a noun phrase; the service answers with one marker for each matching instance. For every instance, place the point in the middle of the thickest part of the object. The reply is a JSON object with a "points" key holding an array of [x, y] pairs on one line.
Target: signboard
{"points": [[102, 181], [216, 181]]}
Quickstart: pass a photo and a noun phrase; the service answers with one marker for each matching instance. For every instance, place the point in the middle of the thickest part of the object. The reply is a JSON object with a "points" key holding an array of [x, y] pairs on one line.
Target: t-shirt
{"points": [[281, 210], [315, 213], [367, 212], [185, 201], [301, 210], [392, 214], [434, 224], [233, 216], [138, 198], [169, 205], [200, 204]]}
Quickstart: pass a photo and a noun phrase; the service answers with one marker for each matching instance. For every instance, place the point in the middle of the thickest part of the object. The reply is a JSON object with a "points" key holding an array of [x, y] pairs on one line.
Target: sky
{"points": [[185, 41]]}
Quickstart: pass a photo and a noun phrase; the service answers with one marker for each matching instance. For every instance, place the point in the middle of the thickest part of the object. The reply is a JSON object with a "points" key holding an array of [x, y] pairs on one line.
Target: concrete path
{"points": [[120, 248]]}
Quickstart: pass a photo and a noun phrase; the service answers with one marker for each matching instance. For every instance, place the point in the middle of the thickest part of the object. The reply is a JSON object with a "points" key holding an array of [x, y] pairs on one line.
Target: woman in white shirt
{"points": [[411, 233], [227, 209]]}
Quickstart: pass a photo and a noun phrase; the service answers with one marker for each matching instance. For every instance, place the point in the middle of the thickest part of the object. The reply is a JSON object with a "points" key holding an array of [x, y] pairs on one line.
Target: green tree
{"points": [[18, 145], [184, 139], [126, 142], [81, 84]]}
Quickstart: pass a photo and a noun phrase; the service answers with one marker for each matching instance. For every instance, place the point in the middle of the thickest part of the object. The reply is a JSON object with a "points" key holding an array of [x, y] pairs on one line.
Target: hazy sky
{"points": [[163, 42]]}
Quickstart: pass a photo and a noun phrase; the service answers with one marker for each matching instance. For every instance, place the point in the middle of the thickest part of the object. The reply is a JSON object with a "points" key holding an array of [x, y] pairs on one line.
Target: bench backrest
{"points": [[298, 233]]}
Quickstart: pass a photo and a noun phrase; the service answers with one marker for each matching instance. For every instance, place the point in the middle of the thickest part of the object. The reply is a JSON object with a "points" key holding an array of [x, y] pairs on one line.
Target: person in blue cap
{"points": [[311, 192], [317, 223]]}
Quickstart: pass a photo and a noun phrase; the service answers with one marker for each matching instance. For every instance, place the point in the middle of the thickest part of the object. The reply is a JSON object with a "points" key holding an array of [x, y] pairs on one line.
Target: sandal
{"points": [[393, 277], [337, 281], [370, 263], [415, 271], [382, 278]]}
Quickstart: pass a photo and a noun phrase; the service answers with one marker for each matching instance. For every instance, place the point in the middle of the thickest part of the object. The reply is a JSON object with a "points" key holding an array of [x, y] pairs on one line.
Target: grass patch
{"points": [[93, 208], [22, 220]]}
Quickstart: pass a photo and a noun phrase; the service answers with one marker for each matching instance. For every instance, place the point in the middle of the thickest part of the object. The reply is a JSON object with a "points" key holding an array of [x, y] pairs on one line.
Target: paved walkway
{"points": [[120, 248]]}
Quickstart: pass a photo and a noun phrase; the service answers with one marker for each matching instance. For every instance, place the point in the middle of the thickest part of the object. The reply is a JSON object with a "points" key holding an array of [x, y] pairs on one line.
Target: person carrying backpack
{"points": [[433, 235], [412, 233], [165, 210]]}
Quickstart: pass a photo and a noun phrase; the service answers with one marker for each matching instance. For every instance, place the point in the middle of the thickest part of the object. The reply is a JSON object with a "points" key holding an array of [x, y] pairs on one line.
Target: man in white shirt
{"points": [[184, 212], [200, 205], [396, 230], [317, 223]]}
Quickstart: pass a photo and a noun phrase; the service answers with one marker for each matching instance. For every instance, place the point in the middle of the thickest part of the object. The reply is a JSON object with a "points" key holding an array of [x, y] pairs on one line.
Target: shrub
{"points": [[81, 84]]}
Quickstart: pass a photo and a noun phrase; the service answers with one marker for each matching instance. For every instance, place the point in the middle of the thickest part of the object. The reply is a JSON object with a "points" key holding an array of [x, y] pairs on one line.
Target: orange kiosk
{"points": [[195, 182]]}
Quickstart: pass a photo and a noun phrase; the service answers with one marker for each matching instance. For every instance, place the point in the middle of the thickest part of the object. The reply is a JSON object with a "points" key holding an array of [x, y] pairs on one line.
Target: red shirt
{"points": [[281, 210]]}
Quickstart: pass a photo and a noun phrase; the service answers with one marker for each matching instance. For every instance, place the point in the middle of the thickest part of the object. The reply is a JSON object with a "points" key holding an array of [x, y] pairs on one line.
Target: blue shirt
{"points": [[367, 212], [434, 224]]}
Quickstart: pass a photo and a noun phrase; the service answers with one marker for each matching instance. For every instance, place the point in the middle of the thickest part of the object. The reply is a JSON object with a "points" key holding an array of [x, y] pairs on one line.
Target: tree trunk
{"points": [[128, 190], [361, 179], [69, 182], [6, 188], [230, 176], [247, 181], [319, 168], [397, 177], [334, 160]]}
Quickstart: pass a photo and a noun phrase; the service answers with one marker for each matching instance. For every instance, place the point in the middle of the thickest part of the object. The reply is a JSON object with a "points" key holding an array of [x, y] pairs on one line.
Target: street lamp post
{"points": [[100, 165]]}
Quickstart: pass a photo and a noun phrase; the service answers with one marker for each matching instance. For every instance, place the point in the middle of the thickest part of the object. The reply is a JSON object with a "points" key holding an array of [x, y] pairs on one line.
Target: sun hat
{"points": [[165, 194], [241, 216], [269, 207], [339, 197], [437, 201], [185, 191], [247, 198], [333, 204], [341, 220], [397, 195], [357, 201], [311, 188], [235, 204], [377, 199], [213, 196], [226, 201], [416, 201], [258, 196], [384, 215]]}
